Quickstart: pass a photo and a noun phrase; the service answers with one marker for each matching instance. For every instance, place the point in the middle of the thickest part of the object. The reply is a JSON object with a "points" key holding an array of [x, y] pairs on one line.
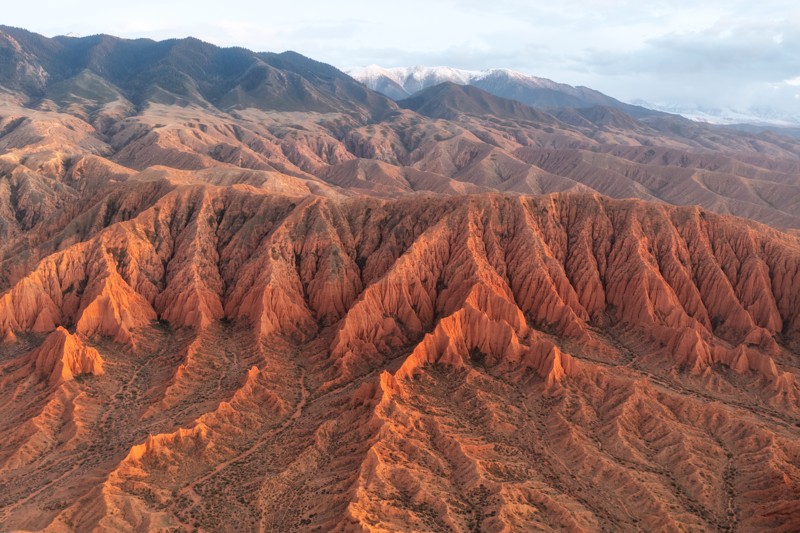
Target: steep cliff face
{"points": [[483, 361]]}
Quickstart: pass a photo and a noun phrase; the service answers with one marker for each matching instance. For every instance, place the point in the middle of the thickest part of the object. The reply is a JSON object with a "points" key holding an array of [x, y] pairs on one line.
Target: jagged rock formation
{"points": [[484, 361], [63, 356], [241, 291]]}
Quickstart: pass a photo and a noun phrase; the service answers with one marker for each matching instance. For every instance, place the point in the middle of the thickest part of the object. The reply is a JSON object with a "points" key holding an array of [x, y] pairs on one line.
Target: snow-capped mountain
{"points": [[402, 82], [713, 115], [410, 80]]}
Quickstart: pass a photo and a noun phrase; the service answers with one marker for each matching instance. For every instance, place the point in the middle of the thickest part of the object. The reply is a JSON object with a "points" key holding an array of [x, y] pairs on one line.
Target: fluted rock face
{"points": [[262, 297], [495, 362], [63, 356]]}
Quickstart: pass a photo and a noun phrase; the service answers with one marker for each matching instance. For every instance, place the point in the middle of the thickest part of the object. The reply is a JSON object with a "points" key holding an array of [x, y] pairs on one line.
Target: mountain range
{"points": [[402, 82], [244, 291], [753, 116]]}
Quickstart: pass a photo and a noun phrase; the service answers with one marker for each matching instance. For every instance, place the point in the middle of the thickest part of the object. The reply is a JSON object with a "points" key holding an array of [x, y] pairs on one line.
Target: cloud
{"points": [[742, 66], [738, 52]]}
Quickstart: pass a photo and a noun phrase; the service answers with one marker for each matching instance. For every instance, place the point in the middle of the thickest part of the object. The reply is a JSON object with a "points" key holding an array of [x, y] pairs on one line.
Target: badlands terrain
{"points": [[243, 292]]}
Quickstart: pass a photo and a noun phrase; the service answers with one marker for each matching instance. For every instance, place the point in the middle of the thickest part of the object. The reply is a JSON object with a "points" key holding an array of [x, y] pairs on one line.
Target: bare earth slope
{"points": [[78, 113], [483, 362], [243, 292]]}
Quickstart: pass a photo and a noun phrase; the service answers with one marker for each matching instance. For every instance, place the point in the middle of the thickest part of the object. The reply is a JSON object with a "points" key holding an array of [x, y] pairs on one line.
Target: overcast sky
{"points": [[708, 52]]}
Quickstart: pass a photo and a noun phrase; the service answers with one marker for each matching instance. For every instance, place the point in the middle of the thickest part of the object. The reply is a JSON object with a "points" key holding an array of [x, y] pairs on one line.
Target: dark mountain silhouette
{"points": [[176, 71], [541, 93], [448, 100]]}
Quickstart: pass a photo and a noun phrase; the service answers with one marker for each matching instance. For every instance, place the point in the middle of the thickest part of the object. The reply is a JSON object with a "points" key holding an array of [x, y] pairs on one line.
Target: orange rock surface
{"points": [[242, 292], [62, 356], [247, 360]]}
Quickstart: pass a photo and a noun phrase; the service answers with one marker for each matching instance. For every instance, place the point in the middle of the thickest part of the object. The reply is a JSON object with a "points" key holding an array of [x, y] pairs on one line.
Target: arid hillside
{"points": [[235, 359], [77, 114], [242, 292]]}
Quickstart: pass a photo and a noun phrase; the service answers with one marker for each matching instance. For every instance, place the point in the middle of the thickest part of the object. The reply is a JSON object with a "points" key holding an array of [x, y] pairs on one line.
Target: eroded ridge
{"points": [[230, 358]]}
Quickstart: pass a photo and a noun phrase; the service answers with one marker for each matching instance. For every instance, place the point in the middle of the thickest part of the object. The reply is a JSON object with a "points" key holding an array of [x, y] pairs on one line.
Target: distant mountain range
{"points": [[189, 105], [759, 116], [242, 291], [400, 83], [102, 69]]}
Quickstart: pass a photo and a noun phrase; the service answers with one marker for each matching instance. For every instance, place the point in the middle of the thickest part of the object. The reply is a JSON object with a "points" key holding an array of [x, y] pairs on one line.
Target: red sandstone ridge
{"points": [[63, 356], [256, 296], [499, 362]]}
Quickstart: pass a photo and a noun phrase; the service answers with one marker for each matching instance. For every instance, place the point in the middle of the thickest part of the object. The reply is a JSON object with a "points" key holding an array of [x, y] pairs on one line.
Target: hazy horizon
{"points": [[715, 53]]}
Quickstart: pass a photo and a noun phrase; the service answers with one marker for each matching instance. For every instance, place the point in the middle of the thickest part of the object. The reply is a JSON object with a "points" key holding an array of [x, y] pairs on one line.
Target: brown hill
{"points": [[449, 100], [51, 160], [240, 291], [472, 362], [188, 105]]}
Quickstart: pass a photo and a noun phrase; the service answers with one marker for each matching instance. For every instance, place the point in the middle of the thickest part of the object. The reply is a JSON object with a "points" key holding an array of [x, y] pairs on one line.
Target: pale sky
{"points": [[709, 52]]}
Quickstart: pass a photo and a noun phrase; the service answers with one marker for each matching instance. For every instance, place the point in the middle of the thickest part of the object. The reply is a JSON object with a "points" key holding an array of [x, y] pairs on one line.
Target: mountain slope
{"points": [[178, 71], [486, 143], [449, 100], [512, 354], [241, 291], [400, 83]]}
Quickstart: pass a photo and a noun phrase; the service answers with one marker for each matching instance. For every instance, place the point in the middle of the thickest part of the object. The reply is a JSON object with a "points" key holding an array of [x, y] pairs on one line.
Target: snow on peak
{"points": [[413, 79], [370, 73]]}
